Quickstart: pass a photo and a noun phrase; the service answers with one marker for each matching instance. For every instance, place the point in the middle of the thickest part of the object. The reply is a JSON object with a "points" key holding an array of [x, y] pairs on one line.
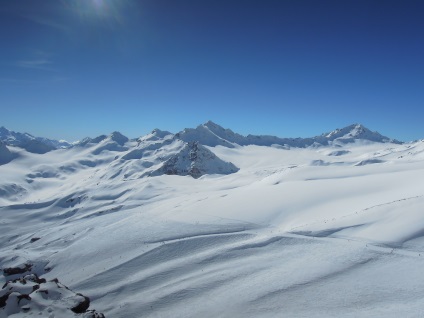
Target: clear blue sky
{"points": [[76, 68]]}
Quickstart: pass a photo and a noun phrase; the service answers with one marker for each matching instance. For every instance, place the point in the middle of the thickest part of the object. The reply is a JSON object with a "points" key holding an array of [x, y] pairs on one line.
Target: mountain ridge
{"points": [[208, 134]]}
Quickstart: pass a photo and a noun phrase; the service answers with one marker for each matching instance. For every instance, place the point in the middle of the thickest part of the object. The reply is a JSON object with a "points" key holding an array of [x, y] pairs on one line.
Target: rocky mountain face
{"points": [[195, 160]]}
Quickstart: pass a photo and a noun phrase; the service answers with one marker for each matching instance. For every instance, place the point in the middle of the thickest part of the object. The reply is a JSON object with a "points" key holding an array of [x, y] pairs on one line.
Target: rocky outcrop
{"points": [[17, 270], [36, 296], [195, 160]]}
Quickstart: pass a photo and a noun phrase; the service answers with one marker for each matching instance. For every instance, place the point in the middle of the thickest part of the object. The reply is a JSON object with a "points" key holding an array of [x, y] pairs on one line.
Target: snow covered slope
{"points": [[330, 231]]}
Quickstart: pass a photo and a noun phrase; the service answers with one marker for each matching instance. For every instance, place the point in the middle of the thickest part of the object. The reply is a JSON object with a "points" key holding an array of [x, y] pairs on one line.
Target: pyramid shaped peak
{"points": [[211, 123], [116, 133], [160, 133], [357, 132], [118, 138], [357, 126]]}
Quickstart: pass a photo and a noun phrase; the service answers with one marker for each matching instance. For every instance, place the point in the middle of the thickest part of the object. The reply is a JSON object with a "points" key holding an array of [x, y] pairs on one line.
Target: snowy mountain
{"points": [[211, 134], [167, 225], [355, 132], [32, 144], [208, 134]]}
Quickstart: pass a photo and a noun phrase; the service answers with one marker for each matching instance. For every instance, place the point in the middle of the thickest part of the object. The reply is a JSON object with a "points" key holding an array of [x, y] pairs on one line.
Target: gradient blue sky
{"points": [[76, 68]]}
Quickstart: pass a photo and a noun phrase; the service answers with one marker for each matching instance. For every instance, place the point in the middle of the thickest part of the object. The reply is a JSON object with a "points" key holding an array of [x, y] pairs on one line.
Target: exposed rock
{"points": [[195, 160], [17, 270], [82, 305], [33, 294], [34, 239], [93, 314]]}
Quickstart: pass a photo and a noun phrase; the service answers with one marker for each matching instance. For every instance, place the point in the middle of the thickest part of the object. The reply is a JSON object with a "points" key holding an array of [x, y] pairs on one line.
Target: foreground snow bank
{"points": [[31, 295]]}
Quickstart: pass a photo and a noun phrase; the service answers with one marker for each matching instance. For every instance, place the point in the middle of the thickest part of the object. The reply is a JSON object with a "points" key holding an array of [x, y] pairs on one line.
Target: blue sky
{"points": [[76, 68]]}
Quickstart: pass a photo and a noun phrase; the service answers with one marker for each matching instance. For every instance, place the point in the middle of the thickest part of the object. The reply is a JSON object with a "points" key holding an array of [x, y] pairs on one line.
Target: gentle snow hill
{"points": [[330, 230]]}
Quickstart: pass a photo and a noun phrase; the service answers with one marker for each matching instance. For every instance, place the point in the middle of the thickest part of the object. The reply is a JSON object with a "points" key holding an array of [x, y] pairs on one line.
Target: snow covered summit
{"points": [[357, 132]]}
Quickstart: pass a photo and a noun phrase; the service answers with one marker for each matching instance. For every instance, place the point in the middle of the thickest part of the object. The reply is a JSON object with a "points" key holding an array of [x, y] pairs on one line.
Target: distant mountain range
{"points": [[211, 134], [29, 142], [207, 134], [162, 152]]}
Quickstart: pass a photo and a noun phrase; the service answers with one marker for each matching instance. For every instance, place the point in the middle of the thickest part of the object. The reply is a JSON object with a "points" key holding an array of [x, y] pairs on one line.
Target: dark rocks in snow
{"points": [[34, 239], [93, 314], [33, 294], [82, 304], [195, 160], [17, 270]]}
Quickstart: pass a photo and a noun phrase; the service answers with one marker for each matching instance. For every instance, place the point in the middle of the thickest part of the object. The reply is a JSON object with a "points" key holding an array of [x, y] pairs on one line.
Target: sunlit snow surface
{"points": [[316, 232]]}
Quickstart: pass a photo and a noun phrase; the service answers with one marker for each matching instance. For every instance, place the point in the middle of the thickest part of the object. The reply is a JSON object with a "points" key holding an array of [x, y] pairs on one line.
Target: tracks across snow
{"points": [[199, 275]]}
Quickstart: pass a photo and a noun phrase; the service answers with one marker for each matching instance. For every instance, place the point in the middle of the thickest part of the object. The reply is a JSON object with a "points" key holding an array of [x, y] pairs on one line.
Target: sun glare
{"points": [[106, 10], [98, 4]]}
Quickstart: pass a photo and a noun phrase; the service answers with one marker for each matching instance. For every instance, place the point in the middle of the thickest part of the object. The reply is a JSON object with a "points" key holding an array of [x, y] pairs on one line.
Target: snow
{"points": [[333, 230]]}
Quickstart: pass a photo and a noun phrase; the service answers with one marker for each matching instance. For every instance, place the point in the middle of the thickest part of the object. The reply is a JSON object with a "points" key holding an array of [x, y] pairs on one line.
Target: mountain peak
{"points": [[356, 131], [119, 138], [211, 124]]}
